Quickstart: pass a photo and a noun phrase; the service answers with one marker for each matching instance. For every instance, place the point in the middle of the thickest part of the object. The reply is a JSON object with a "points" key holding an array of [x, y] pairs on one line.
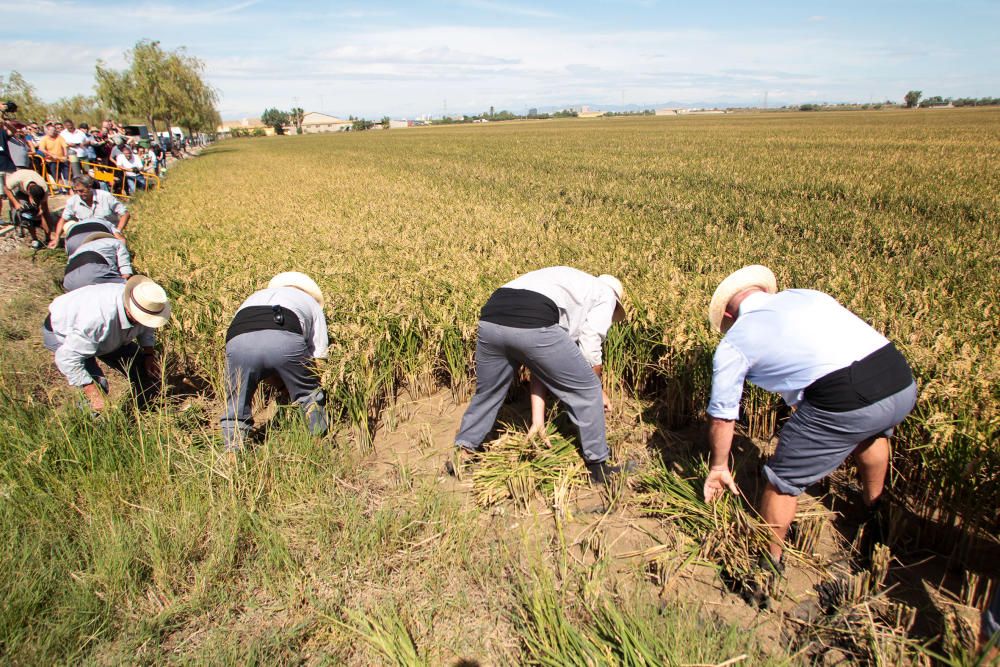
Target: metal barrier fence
{"points": [[115, 180]]}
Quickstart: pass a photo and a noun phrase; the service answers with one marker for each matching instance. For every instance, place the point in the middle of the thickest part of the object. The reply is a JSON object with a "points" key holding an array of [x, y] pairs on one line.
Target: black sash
{"points": [[89, 227], [520, 308], [48, 322], [260, 318], [881, 374], [84, 258]]}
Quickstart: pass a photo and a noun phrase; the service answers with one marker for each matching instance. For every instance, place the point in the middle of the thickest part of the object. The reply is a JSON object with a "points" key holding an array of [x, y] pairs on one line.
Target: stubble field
{"points": [[133, 538]]}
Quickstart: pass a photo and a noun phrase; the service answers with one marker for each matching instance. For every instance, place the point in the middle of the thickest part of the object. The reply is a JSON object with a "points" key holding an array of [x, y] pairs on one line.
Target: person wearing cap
{"points": [[27, 193], [101, 258], [275, 336], [111, 322], [554, 321], [87, 205], [849, 385]]}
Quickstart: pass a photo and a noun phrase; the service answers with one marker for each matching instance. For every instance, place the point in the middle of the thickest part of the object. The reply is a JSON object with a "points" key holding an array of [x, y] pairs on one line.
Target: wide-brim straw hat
{"points": [[299, 281], [147, 302], [98, 235], [754, 275], [616, 286]]}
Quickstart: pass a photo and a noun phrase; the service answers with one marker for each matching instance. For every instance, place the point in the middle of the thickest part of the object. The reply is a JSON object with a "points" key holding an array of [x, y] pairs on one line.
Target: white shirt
{"points": [[113, 250], [586, 305], [308, 310], [76, 140], [783, 343], [89, 322], [105, 207], [127, 164]]}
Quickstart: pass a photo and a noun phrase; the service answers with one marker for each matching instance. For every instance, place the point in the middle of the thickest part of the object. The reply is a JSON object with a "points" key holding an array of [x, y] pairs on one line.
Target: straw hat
{"points": [[98, 235], [616, 287], [299, 281], [147, 302], [754, 275]]}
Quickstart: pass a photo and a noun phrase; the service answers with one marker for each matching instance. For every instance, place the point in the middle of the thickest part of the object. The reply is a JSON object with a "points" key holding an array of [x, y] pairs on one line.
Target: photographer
{"points": [[29, 202]]}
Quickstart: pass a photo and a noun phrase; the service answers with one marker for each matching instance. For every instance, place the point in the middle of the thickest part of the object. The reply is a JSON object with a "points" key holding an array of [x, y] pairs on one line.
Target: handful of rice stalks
{"points": [[726, 532], [518, 467]]}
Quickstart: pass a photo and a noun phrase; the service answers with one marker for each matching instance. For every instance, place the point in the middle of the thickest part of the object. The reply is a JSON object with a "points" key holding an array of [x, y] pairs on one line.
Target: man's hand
{"points": [[95, 396], [718, 480], [54, 242], [152, 365], [606, 400]]}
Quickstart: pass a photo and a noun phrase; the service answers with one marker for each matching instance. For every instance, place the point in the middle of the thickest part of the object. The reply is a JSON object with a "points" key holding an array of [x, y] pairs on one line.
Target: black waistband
{"points": [[881, 374], [48, 322], [88, 227], [520, 308], [84, 258], [261, 318]]}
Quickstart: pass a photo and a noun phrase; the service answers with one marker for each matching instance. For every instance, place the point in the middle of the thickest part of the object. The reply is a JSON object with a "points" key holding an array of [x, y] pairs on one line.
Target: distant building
{"points": [[314, 122], [532, 112]]}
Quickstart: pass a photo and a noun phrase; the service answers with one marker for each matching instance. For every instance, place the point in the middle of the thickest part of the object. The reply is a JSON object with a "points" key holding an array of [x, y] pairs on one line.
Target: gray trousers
{"points": [[91, 274], [552, 358], [250, 358], [125, 359]]}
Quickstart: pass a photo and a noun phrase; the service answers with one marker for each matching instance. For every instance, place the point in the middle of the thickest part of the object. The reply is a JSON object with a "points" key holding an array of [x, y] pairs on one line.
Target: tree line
{"points": [[913, 100], [157, 85]]}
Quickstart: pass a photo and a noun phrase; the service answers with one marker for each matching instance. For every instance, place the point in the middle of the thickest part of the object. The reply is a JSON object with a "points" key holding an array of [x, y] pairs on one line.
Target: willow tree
{"points": [[158, 85]]}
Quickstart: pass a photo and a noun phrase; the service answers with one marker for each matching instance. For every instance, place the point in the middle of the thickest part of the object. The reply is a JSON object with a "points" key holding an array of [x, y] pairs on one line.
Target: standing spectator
{"points": [[158, 155], [17, 145], [132, 166], [101, 146], [88, 153], [54, 149], [76, 141], [7, 165], [88, 203]]}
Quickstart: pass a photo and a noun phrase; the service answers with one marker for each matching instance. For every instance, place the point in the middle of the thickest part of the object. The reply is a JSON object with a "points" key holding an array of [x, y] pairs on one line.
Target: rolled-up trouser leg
{"points": [[494, 372], [555, 359], [90, 365]]}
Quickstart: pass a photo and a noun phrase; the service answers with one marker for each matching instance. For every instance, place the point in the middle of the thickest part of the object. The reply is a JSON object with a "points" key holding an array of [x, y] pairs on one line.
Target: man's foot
{"points": [[461, 462], [601, 473], [874, 530]]}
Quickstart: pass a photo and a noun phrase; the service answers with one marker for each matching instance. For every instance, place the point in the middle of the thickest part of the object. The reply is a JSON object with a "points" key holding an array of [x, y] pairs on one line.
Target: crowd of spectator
{"points": [[61, 151], [91, 165]]}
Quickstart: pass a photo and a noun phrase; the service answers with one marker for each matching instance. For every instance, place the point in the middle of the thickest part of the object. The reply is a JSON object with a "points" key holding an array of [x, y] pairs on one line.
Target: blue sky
{"points": [[407, 59]]}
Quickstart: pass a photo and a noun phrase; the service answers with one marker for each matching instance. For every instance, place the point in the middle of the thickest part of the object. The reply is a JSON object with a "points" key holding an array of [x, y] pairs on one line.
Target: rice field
{"points": [[131, 540], [895, 214]]}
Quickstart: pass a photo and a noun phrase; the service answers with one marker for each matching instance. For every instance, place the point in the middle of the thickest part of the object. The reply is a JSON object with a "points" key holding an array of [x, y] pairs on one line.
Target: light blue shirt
{"points": [[113, 250], [783, 343], [89, 322], [308, 310], [105, 207], [586, 305]]}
